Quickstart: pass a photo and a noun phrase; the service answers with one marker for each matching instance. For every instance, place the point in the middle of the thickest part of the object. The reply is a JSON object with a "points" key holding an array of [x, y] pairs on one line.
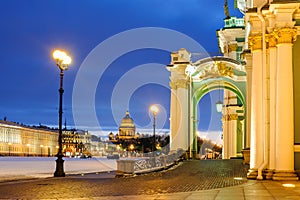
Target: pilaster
{"points": [[179, 103]]}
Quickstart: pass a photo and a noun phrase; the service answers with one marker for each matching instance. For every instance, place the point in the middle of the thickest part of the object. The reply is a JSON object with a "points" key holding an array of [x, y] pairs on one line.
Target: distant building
{"points": [[100, 147], [76, 142], [126, 130], [127, 127], [21, 140]]}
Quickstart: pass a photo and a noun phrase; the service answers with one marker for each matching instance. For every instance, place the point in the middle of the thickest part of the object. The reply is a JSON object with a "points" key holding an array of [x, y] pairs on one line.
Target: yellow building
{"points": [[21, 140], [76, 142]]}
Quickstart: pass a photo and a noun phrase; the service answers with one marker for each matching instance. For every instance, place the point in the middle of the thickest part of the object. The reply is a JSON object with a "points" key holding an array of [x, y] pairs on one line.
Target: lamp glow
{"points": [[154, 109], [289, 185], [62, 59], [66, 60], [57, 54]]}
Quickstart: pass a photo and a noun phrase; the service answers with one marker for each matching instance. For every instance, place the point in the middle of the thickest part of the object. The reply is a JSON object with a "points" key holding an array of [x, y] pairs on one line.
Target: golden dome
{"points": [[127, 121]]}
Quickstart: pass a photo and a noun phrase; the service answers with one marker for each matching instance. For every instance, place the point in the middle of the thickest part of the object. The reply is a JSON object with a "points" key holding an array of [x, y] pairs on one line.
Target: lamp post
{"points": [[154, 109], [62, 61]]}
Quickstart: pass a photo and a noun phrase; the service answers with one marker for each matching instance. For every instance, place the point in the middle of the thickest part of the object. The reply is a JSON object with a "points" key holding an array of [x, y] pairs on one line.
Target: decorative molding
{"points": [[173, 85], [230, 117], [285, 35], [271, 40], [216, 69], [225, 50], [224, 70], [232, 47], [181, 83], [255, 41]]}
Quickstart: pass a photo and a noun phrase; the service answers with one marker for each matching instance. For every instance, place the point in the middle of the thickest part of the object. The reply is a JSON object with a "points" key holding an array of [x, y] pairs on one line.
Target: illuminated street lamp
{"points": [[62, 61], [219, 104], [154, 109]]}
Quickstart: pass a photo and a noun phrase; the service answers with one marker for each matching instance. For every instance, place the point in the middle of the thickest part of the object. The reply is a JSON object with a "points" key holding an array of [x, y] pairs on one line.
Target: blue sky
{"points": [[32, 29]]}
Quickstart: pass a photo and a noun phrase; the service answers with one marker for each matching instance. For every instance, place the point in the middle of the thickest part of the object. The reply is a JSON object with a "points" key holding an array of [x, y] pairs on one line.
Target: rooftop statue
{"points": [[226, 11]]}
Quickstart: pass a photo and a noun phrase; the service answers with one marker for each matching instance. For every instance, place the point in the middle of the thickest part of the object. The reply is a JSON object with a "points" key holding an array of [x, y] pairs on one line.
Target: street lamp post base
{"points": [[59, 172]]}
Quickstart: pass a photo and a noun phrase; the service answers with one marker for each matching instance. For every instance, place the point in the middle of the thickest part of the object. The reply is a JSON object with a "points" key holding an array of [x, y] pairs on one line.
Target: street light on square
{"points": [[154, 109], [62, 61]]}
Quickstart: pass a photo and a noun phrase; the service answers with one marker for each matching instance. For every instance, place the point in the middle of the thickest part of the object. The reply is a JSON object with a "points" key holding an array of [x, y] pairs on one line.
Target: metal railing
{"points": [[148, 164]]}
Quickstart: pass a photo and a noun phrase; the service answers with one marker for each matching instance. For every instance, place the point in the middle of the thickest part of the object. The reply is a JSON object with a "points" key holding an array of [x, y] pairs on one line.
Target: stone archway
{"points": [[190, 81]]}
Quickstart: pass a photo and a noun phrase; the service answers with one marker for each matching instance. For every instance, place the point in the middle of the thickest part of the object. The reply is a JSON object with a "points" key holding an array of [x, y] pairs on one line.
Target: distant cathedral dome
{"points": [[127, 121], [127, 127]]}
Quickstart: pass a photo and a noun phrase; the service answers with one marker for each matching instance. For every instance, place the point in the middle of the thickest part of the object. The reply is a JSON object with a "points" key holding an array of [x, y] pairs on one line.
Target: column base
{"points": [[252, 174], [285, 176], [268, 174]]}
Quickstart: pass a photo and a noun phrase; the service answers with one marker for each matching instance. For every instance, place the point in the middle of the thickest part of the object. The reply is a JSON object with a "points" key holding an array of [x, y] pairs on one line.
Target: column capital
{"points": [[285, 35], [173, 85], [180, 83], [255, 41], [232, 47], [230, 117], [247, 57], [271, 40]]}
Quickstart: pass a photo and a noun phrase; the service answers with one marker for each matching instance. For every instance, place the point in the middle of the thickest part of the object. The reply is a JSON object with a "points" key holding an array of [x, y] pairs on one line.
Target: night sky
{"points": [[32, 29]]}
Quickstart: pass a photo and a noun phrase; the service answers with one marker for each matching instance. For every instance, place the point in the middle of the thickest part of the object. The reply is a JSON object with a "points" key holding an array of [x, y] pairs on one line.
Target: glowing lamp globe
{"points": [[219, 106]]}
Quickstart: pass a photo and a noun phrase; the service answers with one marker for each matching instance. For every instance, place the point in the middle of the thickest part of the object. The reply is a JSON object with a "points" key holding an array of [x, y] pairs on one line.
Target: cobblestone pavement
{"points": [[191, 175]]}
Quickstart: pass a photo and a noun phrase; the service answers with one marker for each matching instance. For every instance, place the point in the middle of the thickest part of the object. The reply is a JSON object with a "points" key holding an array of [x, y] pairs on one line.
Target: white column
{"points": [[182, 95], [272, 64], [256, 146], [179, 114], [284, 169]]}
